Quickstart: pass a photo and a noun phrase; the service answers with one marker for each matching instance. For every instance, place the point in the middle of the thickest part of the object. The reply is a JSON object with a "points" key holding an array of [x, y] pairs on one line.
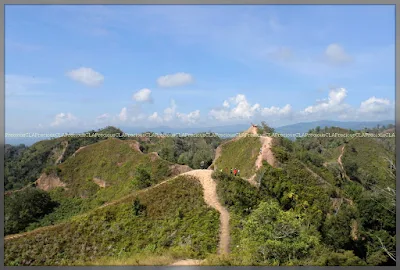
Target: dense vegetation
{"points": [[25, 207], [307, 213], [190, 150], [169, 218]]}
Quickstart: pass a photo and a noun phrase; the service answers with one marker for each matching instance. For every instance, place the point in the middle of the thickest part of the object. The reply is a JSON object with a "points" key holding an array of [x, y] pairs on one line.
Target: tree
{"points": [[142, 178], [266, 128], [25, 207], [138, 208], [271, 235]]}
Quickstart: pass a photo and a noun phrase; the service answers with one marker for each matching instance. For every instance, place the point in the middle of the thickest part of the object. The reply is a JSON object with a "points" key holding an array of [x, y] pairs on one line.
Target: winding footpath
{"points": [[339, 160]]}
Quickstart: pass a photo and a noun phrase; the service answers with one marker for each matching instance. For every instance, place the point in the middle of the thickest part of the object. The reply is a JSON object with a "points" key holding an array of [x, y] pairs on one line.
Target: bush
{"points": [[142, 178], [25, 207]]}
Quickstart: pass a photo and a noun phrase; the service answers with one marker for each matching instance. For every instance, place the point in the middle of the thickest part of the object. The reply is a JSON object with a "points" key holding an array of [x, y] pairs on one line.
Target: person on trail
{"points": [[234, 172], [231, 170], [238, 172]]}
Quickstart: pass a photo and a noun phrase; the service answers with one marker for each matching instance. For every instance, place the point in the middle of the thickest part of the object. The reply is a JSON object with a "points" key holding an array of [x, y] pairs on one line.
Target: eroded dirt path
{"points": [[265, 154], [211, 199], [63, 152], [339, 160]]}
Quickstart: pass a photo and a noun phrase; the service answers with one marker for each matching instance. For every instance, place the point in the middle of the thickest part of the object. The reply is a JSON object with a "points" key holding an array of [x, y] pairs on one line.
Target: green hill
{"points": [[169, 219], [241, 154]]}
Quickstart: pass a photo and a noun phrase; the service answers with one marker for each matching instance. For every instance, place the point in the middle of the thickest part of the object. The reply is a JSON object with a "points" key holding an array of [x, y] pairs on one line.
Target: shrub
{"points": [[25, 207]]}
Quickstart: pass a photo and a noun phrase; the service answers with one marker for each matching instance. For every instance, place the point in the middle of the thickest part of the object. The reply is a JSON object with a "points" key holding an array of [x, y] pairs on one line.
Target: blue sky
{"points": [[83, 67]]}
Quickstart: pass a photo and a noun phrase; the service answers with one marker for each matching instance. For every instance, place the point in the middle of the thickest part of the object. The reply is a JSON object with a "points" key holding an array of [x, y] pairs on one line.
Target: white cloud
{"points": [[242, 109], [102, 118], [226, 104], [375, 105], [169, 113], [86, 76], [334, 103], [63, 119], [177, 79], [189, 118], [123, 115], [336, 54], [143, 95], [276, 111], [155, 118], [138, 117]]}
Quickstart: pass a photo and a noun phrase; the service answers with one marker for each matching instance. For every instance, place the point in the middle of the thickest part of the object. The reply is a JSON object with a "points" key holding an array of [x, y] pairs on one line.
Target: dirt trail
{"points": [[265, 154], [63, 152], [79, 149], [339, 160], [211, 198]]}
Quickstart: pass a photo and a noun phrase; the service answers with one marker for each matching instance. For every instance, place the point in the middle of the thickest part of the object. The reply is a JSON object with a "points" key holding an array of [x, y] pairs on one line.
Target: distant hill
{"points": [[306, 126]]}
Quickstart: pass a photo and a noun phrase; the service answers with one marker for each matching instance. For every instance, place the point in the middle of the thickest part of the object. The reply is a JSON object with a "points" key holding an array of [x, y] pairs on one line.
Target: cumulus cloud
{"points": [[190, 118], [334, 103], [276, 111], [138, 117], [155, 118], [240, 109], [143, 95], [86, 76], [375, 105], [63, 119], [169, 113], [123, 115], [226, 104], [336, 54], [177, 79], [102, 118]]}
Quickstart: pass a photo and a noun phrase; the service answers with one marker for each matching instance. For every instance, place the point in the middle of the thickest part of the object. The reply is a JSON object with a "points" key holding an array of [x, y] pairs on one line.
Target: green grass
{"points": [[99, 160], [241, 154], [113, 161], [176, 220]]}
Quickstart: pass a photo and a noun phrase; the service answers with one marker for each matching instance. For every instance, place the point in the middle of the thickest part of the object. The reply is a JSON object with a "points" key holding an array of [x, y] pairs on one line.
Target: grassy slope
{"points": [[370, 157], [241, 154], [99, 160], [177, 220]]}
